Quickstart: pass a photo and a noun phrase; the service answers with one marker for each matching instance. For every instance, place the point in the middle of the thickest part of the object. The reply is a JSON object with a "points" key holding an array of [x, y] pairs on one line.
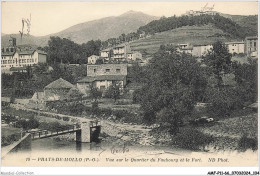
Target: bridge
{"points": [[88, 132]]}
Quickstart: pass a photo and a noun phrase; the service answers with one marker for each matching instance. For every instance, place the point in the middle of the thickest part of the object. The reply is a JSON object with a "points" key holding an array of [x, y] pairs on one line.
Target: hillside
{"points": [[102, 29], [250, 21], [195, 35]]}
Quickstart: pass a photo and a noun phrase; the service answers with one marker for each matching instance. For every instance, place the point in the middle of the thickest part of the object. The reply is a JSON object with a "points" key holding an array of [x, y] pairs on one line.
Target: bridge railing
{"points": [[42, 133]]}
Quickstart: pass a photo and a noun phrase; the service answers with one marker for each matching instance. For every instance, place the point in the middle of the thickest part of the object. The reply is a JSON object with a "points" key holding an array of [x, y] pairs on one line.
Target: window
{"points": [[107, 70], [254, 44], [95, 70], [118, 70]]}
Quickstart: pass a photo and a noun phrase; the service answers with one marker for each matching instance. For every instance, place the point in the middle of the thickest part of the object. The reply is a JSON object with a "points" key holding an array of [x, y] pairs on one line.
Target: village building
{"points": [[186, 48], [107, 69], [106, 54], [93, 59], [201, 50], [133, 56], [206, 10], [20, 56], [101, 82], [57, 90], [251, 46], [102, 76], [120, 52], [37, 101], [235, 47]]}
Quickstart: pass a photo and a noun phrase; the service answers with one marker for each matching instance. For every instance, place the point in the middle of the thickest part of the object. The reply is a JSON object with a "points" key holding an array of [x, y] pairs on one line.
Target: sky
{"points": [[52, 17]]}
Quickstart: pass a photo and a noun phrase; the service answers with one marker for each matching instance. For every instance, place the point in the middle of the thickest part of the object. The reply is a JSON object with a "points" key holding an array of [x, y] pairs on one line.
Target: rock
{"points": [[126, 138]]}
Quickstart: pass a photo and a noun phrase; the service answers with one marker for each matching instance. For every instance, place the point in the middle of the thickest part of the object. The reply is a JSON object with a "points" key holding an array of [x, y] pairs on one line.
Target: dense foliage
{"points": [[113, 91], [169, 92], [218, 61], [225, 24]]}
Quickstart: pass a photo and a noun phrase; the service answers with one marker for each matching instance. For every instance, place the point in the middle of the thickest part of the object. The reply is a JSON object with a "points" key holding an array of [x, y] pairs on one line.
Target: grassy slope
{"points": [[235, 127], [195, 35], [8, 131]]}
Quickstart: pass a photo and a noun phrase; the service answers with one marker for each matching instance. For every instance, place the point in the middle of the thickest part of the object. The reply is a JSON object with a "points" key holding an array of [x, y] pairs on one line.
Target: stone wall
{"points": [[114, 69], [55, 94]]}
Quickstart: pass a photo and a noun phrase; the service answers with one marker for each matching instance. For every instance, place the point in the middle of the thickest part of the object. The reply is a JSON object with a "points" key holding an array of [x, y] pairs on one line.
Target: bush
{"points": [[193, 139], [7, 140], [66, 118], [120, 114], [245, 143], [137, 98], [54, 126], [95, 108], [76, 108], [30, 124], [58, 117], [222, 102], [106, 111]]}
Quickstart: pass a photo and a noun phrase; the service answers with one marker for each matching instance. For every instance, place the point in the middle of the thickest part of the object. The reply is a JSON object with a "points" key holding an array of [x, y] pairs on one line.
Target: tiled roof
{"points": [[59, 84], [108, 49], [41, 52], [7, 53], [93, 55], [28, 52], [87, 79], [234, 42], [22, 52], [102, 78]]}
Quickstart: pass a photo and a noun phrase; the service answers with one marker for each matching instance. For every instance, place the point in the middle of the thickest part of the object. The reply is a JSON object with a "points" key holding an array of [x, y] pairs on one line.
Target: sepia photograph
{"points": [[129, 84]]}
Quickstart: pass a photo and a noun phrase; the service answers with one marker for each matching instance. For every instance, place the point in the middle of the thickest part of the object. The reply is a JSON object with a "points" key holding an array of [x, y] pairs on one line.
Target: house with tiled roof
{"points": [[120, 52], [93, 59], [102, 76], [57, 90], [106, 53], [21, 56]]}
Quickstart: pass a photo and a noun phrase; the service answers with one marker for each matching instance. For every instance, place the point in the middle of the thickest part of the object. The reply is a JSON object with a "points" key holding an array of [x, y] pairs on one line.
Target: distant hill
{"points": [[196, 30], [250, 22], [196, 35], [225, 24], [102, 29]]}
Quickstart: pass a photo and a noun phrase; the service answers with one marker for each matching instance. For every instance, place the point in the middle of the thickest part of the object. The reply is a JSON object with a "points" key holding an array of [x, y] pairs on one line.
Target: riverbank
{"points": [[144, 135]]}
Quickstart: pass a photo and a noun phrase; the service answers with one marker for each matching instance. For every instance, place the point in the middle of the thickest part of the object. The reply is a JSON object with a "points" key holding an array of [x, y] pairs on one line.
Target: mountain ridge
{"points": [[112, 27], [104, 28]]}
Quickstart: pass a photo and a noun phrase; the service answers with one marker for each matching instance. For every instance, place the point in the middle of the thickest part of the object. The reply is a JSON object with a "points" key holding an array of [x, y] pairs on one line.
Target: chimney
{"points": [[12, 42]]}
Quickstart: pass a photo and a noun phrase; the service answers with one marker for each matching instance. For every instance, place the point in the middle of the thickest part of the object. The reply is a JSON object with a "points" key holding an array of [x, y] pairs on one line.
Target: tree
{"points": [[169, 90], [246, 76], [113, 91], [136, 72], [95, 93], [218, 61], [99, 61], [222, 102]]}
